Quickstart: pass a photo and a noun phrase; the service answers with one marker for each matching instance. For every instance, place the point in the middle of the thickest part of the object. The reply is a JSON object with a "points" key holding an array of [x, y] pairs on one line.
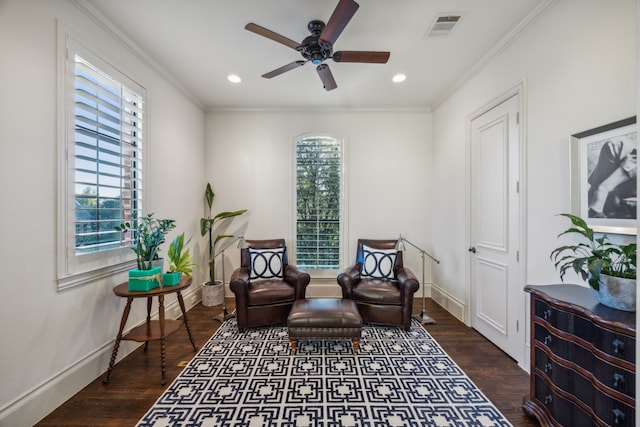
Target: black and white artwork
{"points": [[604, 168]]}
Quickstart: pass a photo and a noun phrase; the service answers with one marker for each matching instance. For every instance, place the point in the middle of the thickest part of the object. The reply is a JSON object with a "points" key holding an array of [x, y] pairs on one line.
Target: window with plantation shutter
{"points": [[108, 157], [102, 166], [319, 198]]}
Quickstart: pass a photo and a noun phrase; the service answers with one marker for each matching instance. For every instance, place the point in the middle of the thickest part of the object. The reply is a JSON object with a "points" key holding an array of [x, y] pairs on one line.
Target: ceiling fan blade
{"points": [[255, 28], [283, 69], [361, 56], [341, 16], [327, 78]]}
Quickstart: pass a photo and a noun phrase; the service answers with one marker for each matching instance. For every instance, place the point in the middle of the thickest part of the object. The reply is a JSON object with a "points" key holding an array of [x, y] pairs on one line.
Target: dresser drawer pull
{"points": [[618, 380], [546, 314], [618, 346], [548, 399], [618, 417], [548, 368], [547, 340]]}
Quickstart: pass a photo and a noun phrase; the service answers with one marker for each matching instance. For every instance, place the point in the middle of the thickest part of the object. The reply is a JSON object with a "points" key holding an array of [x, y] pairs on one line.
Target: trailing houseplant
{"points": [[596, 260], [180, 261], [207, 228], [148, 234]]}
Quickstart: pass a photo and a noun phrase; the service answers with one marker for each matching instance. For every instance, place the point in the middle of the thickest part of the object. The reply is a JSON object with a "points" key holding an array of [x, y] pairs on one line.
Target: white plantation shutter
{"points": [[101, 165], [109, 123], [318, 203]]}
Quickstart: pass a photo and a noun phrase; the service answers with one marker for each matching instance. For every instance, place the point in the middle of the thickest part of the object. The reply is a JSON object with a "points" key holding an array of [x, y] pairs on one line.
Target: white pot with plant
{"points": [[608, 268], [213, 290]]}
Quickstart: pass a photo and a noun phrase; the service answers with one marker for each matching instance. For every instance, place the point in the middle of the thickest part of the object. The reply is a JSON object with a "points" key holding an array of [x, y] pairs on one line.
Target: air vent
{"points": [[443, 25]]}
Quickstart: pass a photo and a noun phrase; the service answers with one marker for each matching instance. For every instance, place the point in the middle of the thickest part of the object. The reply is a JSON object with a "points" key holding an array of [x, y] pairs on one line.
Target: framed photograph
{"points": [[603, 177]]}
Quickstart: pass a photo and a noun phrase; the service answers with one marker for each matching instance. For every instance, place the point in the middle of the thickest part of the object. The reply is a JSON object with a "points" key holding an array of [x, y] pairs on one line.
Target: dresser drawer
{"points": [[564, 411], [613, 412], [557, 318], [565, 378], [616, 378], [616, 345]]}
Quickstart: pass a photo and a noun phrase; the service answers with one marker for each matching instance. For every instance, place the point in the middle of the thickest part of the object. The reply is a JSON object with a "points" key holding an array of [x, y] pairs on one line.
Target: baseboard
{"points": [[37, 403], [324, 288], [450, 303]]}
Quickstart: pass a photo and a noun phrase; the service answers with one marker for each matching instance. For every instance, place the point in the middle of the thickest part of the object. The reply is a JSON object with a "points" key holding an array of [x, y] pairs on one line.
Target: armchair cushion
{"points": [[266, 263], [378, 263]]}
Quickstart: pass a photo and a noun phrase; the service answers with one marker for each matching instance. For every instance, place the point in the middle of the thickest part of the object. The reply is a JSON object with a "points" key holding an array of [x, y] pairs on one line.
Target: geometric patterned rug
{"points": [[398, 378]]}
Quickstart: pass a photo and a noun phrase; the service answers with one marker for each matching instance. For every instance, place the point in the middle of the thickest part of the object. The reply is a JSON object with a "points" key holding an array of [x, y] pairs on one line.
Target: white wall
{"points": [[578, 61], [250, 165], [54, 343]]}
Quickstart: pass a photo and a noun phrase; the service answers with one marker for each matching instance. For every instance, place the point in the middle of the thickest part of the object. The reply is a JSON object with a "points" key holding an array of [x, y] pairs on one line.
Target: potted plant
{"points": [[610, 269], [148, 233], [180, 261], [212, 289]]}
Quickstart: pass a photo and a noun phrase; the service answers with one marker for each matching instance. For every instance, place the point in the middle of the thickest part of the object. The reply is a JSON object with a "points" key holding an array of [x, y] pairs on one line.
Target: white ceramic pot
{"points": [[617, 292], [212, 294]]}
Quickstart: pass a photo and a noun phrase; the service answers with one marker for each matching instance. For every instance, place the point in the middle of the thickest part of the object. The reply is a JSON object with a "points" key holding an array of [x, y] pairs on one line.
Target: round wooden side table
{"points": [[151, 329]]}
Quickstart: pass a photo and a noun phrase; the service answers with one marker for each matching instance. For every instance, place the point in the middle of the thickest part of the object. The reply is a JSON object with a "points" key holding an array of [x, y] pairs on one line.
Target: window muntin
{"points": [[319, 184]]}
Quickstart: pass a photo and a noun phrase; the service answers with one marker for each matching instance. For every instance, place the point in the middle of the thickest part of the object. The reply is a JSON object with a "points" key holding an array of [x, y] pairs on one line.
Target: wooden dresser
{"points": [[582, 359]]}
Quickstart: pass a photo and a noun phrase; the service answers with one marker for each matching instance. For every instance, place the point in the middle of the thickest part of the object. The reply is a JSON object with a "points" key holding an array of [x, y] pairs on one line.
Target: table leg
{"points": [[116, 346], [149, 302], [163, 355], [186, 321]]}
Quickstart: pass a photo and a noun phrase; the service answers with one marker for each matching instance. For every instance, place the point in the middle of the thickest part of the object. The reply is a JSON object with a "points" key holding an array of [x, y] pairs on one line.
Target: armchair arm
{"points": [[407, 282], [298, 279], [239, 282], [348, 279]]}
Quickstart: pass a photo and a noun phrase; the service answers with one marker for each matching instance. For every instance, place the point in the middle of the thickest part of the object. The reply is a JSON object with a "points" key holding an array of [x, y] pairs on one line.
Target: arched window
{"points": [[319, 208]]}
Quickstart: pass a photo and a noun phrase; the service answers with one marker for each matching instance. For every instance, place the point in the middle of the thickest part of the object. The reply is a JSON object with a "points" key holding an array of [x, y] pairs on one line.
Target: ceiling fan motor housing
{"points": [[313, 49]]}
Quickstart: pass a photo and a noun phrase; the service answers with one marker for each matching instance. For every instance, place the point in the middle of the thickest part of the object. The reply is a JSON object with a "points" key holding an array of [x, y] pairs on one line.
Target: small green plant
{"points": [[180, 258], [148, 233], [206, 226], [594, 257]]}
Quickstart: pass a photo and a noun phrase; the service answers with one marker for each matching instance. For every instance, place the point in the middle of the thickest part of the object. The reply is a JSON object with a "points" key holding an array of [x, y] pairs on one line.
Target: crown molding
{"points": [[506, 41], [114, 32]]}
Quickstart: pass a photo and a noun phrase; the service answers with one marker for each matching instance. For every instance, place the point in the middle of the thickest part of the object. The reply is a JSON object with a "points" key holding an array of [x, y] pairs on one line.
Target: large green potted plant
{"points": [[608, 268], [147, 234], [180, 261], [213, 290]]}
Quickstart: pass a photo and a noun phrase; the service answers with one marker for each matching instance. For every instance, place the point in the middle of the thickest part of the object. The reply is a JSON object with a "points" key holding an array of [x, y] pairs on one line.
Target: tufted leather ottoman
{"points": [[324, 318]]}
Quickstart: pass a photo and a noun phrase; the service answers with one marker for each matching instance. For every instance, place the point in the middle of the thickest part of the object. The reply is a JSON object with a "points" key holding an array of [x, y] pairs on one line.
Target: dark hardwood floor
{"points": [[135, 381]]}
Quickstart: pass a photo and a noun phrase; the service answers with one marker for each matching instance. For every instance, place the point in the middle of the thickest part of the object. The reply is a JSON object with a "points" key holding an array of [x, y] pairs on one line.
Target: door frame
{"points": [[520, 90]]}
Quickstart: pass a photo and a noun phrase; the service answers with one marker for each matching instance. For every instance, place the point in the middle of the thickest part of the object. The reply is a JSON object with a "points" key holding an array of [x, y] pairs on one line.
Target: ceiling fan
{"points": [[318, 47]]}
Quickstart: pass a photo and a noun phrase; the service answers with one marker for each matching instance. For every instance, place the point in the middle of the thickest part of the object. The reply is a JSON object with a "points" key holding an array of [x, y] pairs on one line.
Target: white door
{"points": [[497, 302]]}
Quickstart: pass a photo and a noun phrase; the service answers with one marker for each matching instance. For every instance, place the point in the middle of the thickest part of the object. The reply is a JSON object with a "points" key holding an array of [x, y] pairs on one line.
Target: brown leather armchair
{"points": [[382, 289], [265, 284]]}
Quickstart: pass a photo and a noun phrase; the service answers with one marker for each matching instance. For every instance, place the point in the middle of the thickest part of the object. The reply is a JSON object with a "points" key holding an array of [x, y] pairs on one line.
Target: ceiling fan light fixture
{"points": [[234, 78], [399, 78]]}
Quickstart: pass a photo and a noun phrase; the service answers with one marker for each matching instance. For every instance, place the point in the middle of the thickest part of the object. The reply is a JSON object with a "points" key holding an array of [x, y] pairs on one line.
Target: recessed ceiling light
{"points": [[234, 78], [399, 78]]}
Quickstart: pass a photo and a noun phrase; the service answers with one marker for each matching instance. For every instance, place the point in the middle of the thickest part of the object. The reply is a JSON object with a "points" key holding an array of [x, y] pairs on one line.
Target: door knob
{"points": [[472, 249]]}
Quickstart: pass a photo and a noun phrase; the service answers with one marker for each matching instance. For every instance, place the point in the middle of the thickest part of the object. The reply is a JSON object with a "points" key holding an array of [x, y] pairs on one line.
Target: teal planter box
{"points": [[144, 280], [171, 279]]}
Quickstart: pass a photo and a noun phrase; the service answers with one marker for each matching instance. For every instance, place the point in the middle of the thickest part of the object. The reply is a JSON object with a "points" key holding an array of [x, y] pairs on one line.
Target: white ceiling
{"points": [[198, 43]]}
